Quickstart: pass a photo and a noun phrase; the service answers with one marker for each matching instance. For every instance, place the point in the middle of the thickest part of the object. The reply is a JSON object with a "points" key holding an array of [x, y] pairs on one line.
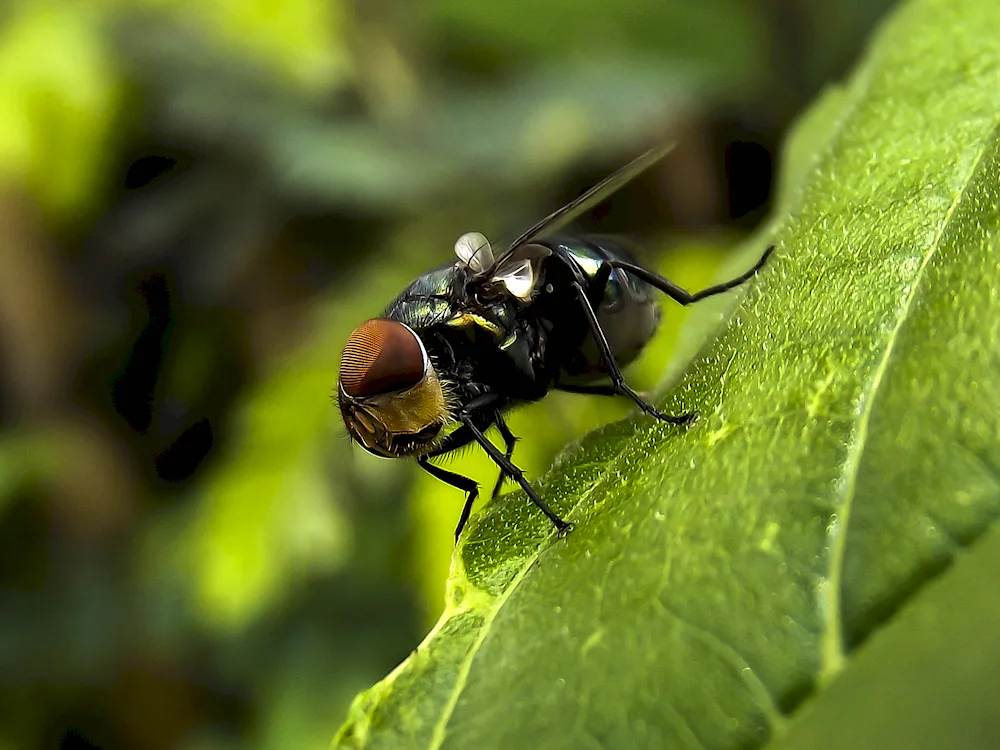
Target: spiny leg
{"points": [[592, 390], [681, 295], [469, 486], [508, 440], [509, 469], [611, 365], [452, 441], [462, 436]]}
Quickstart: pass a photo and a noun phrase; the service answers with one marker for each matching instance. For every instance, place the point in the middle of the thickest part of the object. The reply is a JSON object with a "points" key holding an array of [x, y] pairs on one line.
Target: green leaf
{"points": [[267, 517], [59, 94], [928, 680], [847, 453], [303, 41], [31, 456], [724, 38]]}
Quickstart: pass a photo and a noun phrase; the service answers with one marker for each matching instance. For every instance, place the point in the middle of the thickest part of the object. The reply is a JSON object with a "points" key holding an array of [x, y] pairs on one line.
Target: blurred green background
{"points": [[198, 202]]}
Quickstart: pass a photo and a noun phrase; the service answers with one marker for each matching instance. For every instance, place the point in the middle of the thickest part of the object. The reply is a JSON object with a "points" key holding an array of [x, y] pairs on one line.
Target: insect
{"points": [[466, 342]]}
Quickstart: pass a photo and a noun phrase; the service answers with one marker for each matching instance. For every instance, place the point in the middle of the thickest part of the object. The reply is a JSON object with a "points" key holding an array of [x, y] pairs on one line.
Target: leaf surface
{"points": [[847, 453]]}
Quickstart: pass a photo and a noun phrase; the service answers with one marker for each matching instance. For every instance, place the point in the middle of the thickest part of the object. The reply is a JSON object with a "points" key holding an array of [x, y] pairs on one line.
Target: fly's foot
{"points": [[682, 420], [563, 528], [686, 420]]}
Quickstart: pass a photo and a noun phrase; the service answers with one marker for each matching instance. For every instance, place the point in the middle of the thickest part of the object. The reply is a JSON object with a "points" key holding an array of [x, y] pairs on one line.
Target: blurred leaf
{"points": [[303, 41], [460, 138], [457, 137], [303, 38], [269, 515], [801, 153], [803, 146], [300, 697], [60, 91], [928, 679], [847, 454], [723, 38], [829, 37], [59, 95], [12, 469], [544, 118], [37, 455], [296, 143], [491, 139], [267, 522]]}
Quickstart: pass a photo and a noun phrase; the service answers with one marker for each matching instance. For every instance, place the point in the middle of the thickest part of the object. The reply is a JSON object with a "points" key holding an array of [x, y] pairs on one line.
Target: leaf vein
{"points": [[732, 657], [832, 641]]}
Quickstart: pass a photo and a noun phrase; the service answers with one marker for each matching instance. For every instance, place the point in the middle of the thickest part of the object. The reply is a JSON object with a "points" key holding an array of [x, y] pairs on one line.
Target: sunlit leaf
{"points": [[928, 679], [847, 454], [270, 515], [303, 39], [59, 95], [264, 524]]}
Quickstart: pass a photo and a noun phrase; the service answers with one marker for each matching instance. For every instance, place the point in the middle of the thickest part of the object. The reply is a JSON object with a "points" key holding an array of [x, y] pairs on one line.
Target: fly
{"points": [[467, 342]]}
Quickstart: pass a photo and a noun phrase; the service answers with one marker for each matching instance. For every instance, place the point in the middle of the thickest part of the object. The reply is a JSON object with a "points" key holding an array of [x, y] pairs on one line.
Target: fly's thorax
{"points": [[390, 396], [426, 301]]}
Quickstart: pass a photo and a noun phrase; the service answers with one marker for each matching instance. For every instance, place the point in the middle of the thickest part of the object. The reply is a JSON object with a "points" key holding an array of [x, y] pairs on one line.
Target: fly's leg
{"points": [[505, 464], [611, 365], [460, 438], [455, 440], [591, 390], [468, 486], [469, 431], [679, 294], [675, 292], [509, 441]]}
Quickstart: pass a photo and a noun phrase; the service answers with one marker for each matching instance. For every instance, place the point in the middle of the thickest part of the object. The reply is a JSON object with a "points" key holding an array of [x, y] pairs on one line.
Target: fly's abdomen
{"points": [[628, 312]]}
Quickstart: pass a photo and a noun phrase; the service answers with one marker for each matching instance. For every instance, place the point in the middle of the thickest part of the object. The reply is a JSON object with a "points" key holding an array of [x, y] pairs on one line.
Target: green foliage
{"points": [[61, 91], [928, 680], [687, 33], [27, 458], [58, 96], [327, 152], [847, 453], [302, 39], [269, 515]]}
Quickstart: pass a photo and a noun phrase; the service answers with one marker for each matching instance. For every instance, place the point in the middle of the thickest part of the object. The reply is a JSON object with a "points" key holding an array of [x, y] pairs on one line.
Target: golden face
{"points": [[390, 397]]}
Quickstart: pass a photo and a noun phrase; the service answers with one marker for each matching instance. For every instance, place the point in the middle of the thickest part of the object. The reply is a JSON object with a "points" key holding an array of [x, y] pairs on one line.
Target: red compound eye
{"points": [[381, 356]]}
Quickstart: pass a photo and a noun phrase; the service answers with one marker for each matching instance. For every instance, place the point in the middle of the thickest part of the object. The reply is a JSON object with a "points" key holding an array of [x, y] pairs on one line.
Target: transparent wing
{"points": [[593, 197]]}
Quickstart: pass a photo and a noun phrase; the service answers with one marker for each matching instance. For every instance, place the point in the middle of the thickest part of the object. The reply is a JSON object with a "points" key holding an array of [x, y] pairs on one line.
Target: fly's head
{"points": [[390, 397]]}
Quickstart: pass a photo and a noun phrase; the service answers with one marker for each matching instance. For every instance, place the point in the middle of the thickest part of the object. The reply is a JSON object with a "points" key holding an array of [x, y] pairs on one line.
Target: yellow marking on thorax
{"points": [[465, 320]]}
